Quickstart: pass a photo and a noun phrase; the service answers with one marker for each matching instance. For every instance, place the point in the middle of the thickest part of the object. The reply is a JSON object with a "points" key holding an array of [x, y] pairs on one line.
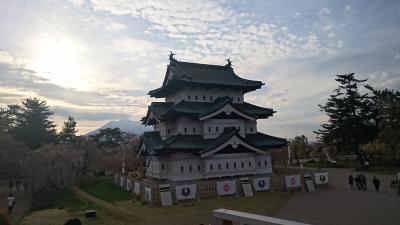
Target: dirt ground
{"points": [[341, 206]]}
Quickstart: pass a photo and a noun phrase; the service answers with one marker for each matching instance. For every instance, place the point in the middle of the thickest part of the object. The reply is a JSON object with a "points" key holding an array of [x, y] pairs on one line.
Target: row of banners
{"points": [[226, 187]]}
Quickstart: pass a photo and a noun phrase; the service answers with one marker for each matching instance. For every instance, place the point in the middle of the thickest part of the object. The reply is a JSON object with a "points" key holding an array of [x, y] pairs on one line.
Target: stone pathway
{"points": [[341, 206]]}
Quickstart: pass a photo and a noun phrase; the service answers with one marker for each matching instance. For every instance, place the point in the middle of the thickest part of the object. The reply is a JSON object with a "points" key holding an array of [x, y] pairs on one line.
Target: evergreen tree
{"points": [[351, 118], [68, 132], [109, 137], [385, 149], [31, 124]]}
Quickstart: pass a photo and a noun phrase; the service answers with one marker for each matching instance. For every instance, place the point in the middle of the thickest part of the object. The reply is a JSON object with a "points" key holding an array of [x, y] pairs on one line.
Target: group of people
{"points": [[361, 182], [17, 185]]}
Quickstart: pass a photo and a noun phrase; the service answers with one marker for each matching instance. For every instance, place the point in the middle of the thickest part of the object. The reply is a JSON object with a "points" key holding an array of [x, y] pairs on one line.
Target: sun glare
{"points": [[57, 59]]}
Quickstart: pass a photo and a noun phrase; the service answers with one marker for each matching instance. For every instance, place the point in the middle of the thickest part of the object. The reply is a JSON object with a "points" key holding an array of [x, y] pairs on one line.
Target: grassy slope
{"points": [[195, 212], [107, 191]]}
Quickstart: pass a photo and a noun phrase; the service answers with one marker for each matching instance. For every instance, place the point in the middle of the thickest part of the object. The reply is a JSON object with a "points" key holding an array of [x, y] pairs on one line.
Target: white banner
{"points": [[185, 192], [128, 184], [321, 178], [147, 194], [293, 181], [137, 188], [227, 187], [122, 181], [261, 184]]}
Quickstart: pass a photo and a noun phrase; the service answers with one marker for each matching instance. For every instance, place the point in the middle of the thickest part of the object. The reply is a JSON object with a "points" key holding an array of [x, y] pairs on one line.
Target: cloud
{"points": [[114, 26], [348, 8], [210, 30], [135, 47], [386, 78], [77, 2], [324, 11], [89, 115]]}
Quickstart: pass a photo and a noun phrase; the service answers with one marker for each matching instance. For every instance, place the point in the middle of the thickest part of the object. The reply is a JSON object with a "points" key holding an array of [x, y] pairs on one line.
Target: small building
{"points": [[204, 129]]}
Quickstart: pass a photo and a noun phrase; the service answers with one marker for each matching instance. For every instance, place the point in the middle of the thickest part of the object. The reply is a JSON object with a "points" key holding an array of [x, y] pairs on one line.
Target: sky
{"points": [[96, 60]]}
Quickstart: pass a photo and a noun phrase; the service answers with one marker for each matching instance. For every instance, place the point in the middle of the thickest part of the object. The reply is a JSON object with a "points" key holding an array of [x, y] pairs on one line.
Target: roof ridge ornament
{"points": [[229, 64], [171, 56]]}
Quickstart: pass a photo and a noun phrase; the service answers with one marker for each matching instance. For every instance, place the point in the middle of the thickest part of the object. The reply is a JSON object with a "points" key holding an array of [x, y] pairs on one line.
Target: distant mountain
{"points": [[126, 125]]}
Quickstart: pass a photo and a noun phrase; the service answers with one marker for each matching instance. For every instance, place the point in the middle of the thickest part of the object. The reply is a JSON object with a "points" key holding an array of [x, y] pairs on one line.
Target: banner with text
{"points": [[293, 181], [261, 184], [226, 187], [185, 192], [321, 178]]}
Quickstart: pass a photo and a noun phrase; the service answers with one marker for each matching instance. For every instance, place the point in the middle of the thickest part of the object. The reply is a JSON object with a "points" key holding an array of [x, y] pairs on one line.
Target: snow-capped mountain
{"points": [[126, 125]]}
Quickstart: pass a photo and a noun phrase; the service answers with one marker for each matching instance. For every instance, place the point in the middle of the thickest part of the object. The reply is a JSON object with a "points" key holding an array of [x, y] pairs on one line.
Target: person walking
{"points": [[376, 183], [363, 182], [358, 182], [351, 182], [10, 203]]}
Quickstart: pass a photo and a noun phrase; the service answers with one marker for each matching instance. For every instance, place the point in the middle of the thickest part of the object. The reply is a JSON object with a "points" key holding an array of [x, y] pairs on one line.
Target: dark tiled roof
{"points": [[196, 144], [186, 73], [169, 111]]}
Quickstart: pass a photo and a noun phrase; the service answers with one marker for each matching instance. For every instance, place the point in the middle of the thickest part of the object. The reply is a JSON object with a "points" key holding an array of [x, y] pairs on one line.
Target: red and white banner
{"points": [[185, 192], [321, 178], [226, 187], [261, 184], [293, 181]]}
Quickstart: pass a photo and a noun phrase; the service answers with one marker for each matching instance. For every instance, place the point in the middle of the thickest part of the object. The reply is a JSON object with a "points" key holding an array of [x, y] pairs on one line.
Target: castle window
{"points": [[169, 131], [227, 165], [185, 130], [238, 99], [209, 129], [194, 130], [211, 98], [196, 97], [216, 129], [204, 97], [198, 168], [251, 129], [162, 166], [211, 166], [259, 163], [190, 168], [250, 164], [265, 163], [219, 166], [181, 169], [234, 165], [242, 165], [188, 97]]}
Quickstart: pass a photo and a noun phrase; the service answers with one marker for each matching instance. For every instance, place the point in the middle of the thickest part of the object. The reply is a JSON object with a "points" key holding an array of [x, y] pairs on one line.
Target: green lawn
{"points": [[195, 212], [107, 191]]}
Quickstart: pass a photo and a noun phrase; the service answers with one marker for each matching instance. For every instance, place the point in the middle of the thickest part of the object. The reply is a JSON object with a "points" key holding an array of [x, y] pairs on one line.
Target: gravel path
{"points": [[341, 206]]}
